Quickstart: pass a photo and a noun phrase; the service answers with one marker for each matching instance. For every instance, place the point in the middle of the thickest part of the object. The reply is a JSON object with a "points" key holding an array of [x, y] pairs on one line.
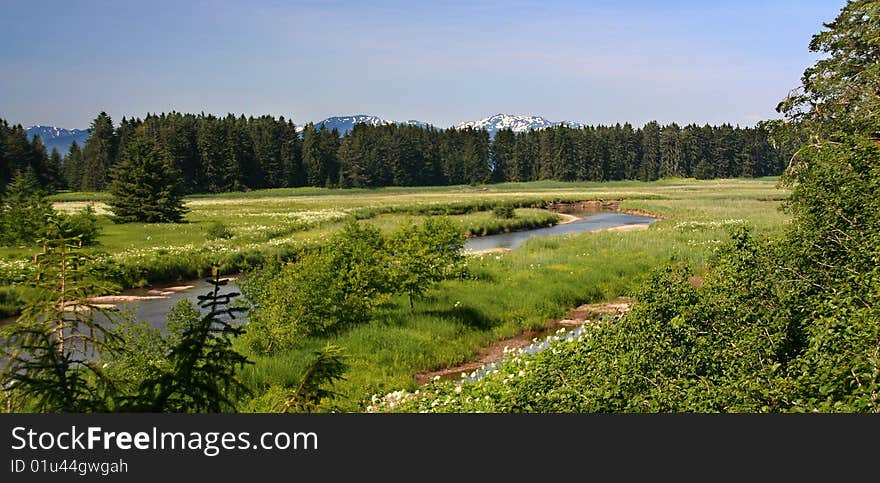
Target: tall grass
{"points": [[506, 293]]}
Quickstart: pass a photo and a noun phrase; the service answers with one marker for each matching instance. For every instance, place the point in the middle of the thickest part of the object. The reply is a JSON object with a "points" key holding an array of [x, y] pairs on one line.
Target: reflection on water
{"points": [[591, 222]]}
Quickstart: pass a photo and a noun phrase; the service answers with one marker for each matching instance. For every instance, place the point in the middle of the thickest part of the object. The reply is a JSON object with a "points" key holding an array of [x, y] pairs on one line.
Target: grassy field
{"points": [[503, 294]]}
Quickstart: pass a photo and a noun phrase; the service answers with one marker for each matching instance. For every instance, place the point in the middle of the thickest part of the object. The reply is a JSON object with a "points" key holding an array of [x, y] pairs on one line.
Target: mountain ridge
{"points": [[58, 138], [61, 138]]}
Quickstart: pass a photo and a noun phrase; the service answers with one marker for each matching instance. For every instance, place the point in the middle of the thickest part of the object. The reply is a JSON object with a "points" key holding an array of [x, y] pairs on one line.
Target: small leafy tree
{"points": [[145, 187], [338, 286], [504, 211], [422, 255]]}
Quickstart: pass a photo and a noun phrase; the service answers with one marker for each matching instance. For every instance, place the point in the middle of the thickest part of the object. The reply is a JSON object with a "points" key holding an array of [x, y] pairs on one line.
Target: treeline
{"points": [[19, 155], [218, 154]]}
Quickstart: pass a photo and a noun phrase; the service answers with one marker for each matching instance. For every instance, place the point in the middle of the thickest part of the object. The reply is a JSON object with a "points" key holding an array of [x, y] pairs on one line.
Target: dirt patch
{"points": [[566, 218], [587, 313], [116, 299], [169, 290], [639, 227], [491, 353]]}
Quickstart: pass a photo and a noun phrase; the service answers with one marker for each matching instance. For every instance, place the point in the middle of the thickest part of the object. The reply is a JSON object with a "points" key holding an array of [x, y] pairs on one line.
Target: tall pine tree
{"points": [[99, 154], [145, 186]]}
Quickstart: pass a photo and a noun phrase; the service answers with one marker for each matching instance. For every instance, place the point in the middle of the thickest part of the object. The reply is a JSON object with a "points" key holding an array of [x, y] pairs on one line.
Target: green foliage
{"points": [[26, 216], [24, 211], [218, 231], [145, 186], [98, 154], [11, 300], [344, 282], [136, 351], [328, 367], [787, 324], [422, 255], [60, 359], [51, 348], [839, 92], [322, 292], [200, 375], [504, 211], [82, 225], [525, 219]]}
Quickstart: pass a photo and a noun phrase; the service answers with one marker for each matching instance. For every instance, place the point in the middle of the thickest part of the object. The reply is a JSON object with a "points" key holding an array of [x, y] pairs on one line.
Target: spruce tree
{"points": [[38, 163], [649, 168], [145, 186], [98, 154], [56, 179], [311, 156], [5, 169], [72, 168], [23, 211], [502, 152]]}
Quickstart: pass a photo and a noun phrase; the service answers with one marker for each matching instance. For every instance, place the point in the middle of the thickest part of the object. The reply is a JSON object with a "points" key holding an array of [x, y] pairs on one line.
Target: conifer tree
{"points": [[23, 211], [98, 154], [649, 168], [72, 168], [311, 156], [502, 153], [145, 186], [54, 168], [38, 164]]}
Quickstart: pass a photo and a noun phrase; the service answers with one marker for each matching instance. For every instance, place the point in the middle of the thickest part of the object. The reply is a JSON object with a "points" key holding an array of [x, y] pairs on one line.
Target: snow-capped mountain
{"points": [[517, 123], [344, 124], [59, 138]]}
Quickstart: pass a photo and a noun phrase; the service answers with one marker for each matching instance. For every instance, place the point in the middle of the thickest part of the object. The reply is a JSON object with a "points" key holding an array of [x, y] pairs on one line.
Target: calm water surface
{"points": [[153, 311]]}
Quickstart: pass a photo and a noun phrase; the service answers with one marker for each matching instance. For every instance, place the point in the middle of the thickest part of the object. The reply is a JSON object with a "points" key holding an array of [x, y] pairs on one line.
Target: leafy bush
{"points": [[321, 292], [342, 283], [218, 231], [422, 255], [82, 226], [504, 211]]}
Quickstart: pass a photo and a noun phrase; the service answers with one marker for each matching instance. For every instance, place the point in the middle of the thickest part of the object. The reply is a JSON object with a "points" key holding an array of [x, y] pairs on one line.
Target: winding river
{"points": [[151, 305], [591, 221]]}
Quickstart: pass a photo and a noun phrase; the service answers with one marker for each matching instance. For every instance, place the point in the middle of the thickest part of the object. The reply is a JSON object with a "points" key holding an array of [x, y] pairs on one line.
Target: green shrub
{"points": [[504, 211], [82, 226], [218, 231]]}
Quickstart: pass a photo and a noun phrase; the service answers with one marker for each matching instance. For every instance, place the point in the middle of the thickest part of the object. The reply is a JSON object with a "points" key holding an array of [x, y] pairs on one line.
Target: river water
{"points": [[589, 222], [152, 305]]}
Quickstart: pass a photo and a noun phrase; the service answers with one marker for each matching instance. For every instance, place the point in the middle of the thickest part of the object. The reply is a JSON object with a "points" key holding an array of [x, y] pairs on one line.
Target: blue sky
{"points": [[440, 62]]}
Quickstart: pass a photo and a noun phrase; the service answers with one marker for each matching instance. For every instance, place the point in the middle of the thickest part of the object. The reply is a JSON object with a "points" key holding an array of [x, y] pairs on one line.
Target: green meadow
{"points": [[499, 295]]}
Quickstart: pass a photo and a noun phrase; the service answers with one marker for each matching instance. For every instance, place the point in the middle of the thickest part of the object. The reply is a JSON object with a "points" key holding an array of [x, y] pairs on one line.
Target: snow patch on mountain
{"points": [[517, 123], [58, 138], [344, 124]]}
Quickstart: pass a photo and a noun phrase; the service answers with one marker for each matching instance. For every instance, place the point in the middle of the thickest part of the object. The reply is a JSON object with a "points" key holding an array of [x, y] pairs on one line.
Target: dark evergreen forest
{"points": [[218, 154]]}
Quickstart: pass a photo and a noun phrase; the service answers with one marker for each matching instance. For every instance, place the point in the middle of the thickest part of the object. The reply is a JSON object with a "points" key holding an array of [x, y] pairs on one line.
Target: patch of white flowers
{"points": [[514, 365], [703, 225]]}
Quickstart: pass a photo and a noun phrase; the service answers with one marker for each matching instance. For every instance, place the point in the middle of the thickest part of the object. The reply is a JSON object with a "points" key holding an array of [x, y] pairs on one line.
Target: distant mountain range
{"points": [[518, 124], [55, 137], [344, 124]]}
